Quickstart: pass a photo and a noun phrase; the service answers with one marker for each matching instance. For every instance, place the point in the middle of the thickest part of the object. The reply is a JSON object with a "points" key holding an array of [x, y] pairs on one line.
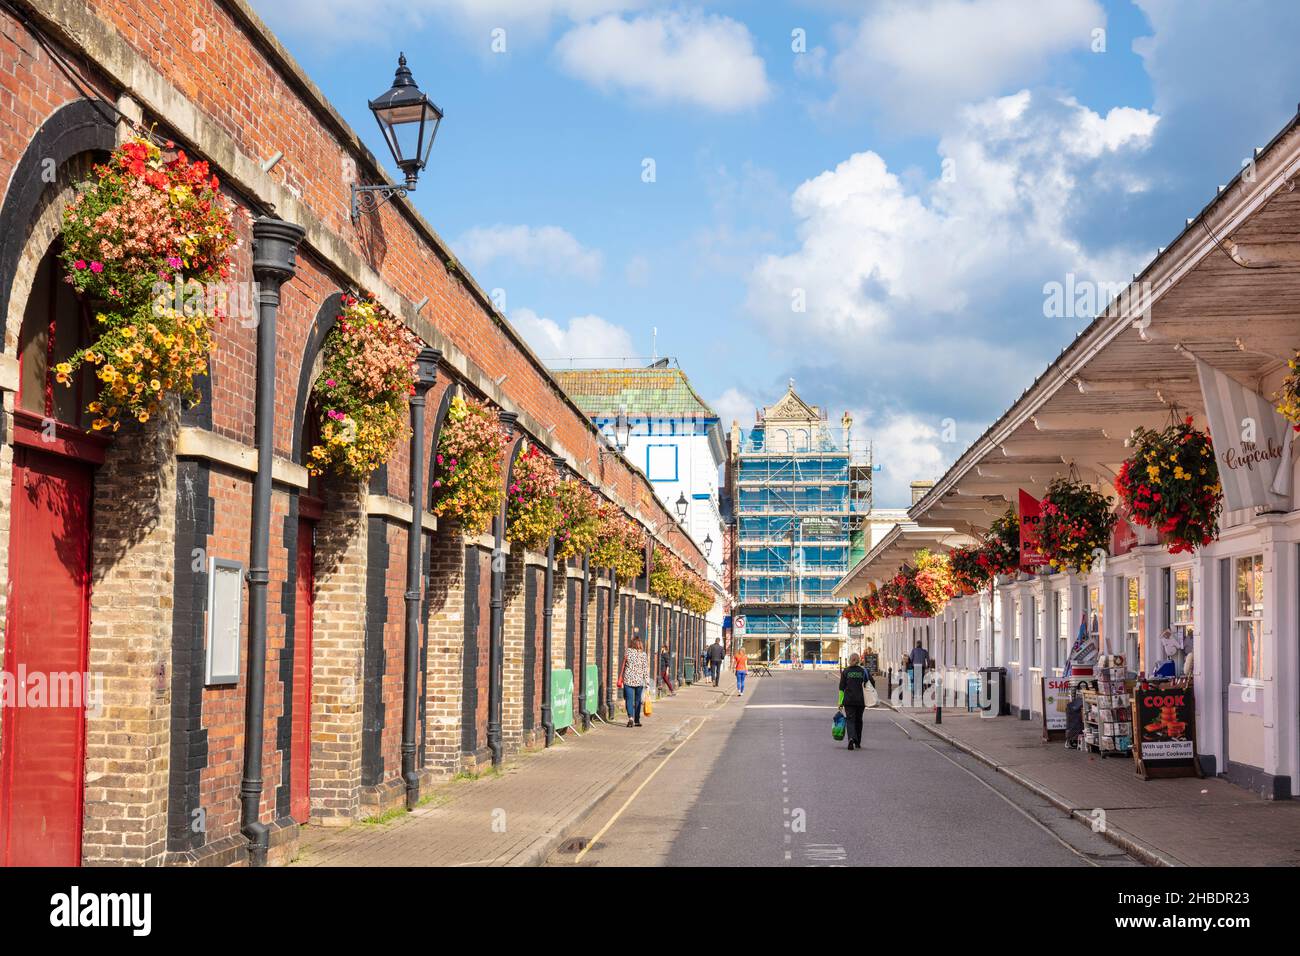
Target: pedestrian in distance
{"points": [[853, 698], [715, 660], [742, 667], [633, 677], [666, 669], [919, 660]]}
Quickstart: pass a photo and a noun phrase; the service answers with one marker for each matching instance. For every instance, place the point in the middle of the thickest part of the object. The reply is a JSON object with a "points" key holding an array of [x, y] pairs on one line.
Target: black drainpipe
{"points": [[548, 621], [496, 659], [275, 244], [426, 375], [582, 643]]}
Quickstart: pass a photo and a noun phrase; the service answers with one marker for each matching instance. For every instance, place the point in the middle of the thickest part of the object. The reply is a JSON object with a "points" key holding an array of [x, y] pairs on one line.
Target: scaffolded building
{"points": [[798, 493]]}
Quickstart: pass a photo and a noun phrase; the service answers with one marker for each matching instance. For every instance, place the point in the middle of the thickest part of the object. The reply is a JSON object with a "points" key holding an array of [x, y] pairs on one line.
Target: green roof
{"points": [[604, 392]]}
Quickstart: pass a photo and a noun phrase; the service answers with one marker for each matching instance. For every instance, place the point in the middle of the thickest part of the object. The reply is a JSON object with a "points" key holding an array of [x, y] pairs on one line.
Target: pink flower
{"points": [[79, 264], [440, 459], [330, 382], [174, 262], [97, 267]]}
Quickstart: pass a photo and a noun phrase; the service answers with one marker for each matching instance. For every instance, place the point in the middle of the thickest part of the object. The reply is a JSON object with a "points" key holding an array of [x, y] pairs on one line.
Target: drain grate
{"points": [[575, 845]]}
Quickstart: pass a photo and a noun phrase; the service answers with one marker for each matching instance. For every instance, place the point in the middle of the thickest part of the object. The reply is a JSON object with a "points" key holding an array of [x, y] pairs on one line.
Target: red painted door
{"points": [[42, 750], [300, 745]]}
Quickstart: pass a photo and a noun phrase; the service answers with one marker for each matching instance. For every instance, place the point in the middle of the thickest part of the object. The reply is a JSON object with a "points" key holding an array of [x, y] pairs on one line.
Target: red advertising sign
{"points": [[1123, 539], [1030, 516]]}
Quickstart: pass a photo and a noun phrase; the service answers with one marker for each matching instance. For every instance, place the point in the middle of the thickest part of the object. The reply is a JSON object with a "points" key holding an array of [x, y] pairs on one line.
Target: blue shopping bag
{"points": [[838, 725]]}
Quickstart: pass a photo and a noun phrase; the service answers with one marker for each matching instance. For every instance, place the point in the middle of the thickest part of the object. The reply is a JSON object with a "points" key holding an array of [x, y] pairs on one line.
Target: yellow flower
{"points": [[1153, 471]]}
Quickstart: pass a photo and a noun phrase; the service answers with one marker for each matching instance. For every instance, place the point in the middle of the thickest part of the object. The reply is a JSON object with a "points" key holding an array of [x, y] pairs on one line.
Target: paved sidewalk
{"points": [[517, 817], [1185, 821]]}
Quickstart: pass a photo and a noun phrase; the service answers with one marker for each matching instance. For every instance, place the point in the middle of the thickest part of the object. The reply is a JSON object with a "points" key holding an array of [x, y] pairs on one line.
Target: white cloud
{"points": [[873, 251], [735, 405], [586, 337], [907, 448], [690, 57], [548, 249], [921, 61]]}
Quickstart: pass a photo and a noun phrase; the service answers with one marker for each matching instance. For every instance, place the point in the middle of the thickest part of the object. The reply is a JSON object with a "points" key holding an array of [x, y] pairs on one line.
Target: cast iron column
{"points": [[275, 246], [426, 375], [496, 658], [611, 604]]}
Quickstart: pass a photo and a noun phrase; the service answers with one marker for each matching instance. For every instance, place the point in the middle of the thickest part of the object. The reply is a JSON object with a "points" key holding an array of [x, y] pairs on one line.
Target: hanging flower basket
{"points": [[970, 574], [467, 470], [1171, 483], [934, 579], [579, 523], [532, 514], [148, 223], [1000, 553], [618, 544], [1076, 522], [1288, 396], [367, 373]]}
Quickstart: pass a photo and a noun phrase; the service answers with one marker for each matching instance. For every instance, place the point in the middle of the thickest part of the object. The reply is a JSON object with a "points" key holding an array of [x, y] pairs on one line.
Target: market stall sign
{"points": [[1164, 730]]}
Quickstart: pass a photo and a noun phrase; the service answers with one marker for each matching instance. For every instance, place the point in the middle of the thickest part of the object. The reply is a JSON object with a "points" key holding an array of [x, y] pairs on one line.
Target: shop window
{"points": [[1132, 622], [1094, 615], [1181, 616], [1248, 620], [1035, 633]]}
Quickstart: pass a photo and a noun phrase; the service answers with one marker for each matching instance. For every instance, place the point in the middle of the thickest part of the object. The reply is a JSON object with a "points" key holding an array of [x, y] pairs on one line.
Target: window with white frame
{"points": [[1132, 621], [1248, 620], [1062, 627], [1035, 633], [1015, 633]]}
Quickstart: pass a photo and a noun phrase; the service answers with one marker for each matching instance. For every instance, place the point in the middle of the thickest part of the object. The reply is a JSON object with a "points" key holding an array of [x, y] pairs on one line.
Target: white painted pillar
{"points": [[1281, 656]]}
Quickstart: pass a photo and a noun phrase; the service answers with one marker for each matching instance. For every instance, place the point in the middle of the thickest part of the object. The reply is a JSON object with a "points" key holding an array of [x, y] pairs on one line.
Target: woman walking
{"points": [[741, 662], [853, 699], [633, 677]]}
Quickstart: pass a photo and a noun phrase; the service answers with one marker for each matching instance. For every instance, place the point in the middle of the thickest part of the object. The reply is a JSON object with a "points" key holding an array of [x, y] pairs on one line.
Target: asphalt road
{"points": [[760, 782]]}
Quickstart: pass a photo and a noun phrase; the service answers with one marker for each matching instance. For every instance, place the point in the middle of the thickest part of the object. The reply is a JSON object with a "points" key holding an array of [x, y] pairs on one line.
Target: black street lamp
{"points": [[708, 544], [409, 121], [681, 507]]}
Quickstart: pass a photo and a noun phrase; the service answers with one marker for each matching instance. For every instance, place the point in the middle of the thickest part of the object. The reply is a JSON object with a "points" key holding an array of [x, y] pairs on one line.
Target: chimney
{"points": [[919, 489]]}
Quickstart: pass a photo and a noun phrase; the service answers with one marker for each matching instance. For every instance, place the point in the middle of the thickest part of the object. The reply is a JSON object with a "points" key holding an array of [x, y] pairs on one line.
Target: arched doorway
{"points": [[42, 747]]}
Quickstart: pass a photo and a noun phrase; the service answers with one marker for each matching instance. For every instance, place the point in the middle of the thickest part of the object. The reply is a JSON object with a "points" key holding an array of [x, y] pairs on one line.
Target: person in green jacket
{"points": [[853, 698]]}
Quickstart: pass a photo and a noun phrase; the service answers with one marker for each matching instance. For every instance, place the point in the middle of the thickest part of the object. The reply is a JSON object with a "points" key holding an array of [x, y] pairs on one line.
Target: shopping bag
{"points": [[645, 706], [869, 695], [837, 725]]}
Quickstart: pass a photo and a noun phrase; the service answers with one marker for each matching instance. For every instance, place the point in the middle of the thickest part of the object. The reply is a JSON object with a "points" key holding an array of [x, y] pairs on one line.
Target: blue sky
{"points": [[875, 216]]}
